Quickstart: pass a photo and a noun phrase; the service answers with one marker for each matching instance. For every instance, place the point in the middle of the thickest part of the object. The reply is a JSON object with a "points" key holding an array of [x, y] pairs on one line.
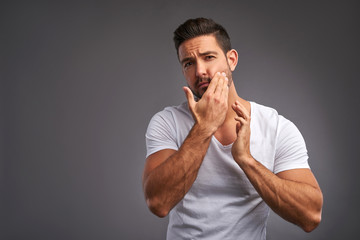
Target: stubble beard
{"points": [[197, 95]]}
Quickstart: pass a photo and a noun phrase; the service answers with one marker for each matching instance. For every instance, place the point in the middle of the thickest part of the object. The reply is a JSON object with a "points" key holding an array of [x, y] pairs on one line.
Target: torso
{"points": [[222, 203]]}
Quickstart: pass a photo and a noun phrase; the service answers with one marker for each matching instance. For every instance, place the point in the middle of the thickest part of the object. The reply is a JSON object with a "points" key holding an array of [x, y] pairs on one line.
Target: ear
{"points": [[232, 58]]}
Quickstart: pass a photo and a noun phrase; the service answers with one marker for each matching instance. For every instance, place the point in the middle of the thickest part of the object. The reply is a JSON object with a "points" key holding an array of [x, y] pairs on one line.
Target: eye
{"points": [[187, 64], [209, 57]]}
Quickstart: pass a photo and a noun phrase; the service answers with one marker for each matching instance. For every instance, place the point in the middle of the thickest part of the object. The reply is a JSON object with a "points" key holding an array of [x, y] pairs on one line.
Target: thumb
{"points": [[190, 97], [238, 126]]}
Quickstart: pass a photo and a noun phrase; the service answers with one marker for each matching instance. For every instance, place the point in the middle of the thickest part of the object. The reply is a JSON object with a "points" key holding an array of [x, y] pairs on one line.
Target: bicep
{"points": [[301, 175]]}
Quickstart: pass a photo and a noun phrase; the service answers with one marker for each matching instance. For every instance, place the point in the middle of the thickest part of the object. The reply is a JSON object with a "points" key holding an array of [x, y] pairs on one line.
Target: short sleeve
{"points": [[291, 152], [161, 133]]}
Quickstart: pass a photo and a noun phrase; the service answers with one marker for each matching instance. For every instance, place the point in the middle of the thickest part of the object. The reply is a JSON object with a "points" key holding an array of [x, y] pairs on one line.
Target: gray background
{"points": [[80, 82]]}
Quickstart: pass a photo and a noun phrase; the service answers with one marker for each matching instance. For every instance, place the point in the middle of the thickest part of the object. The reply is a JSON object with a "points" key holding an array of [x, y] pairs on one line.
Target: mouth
{"points": [[203, 84]]}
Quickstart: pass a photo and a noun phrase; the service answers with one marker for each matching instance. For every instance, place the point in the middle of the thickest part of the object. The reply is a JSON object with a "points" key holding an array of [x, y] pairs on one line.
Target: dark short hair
{"points": [[199, 27]]}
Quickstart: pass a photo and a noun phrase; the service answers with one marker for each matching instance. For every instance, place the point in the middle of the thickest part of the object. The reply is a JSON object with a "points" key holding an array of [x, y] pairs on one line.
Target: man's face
{"points": [[201, 58]]}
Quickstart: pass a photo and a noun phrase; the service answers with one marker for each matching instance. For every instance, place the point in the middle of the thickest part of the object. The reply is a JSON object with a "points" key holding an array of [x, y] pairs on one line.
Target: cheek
{"points": [[218, 68], [213, 69], [190, 78]]}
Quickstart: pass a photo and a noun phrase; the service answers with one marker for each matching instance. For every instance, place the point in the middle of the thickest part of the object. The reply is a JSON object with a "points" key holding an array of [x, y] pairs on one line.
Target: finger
{"points": [[213, 84], [243, 110], [219, 87], [238, 126], [190, 98], [241, 120], [225, 88], [240, 123], [237, 110]]}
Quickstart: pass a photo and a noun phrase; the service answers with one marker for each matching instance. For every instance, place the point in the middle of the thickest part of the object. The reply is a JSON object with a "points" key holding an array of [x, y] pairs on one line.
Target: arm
{"points": [[169, 174], [294, 194]]}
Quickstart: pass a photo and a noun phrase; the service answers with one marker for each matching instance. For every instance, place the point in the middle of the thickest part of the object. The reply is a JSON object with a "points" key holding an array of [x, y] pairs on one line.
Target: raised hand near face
{"points": [[210, 111], [241, 147]]}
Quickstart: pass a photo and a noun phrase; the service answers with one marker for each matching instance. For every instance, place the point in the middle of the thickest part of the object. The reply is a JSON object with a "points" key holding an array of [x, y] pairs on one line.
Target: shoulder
{"points": [[287, 135], [269, 116], [262, 111], [171, 113], [171, 117], [166, 128], [269, 121], [263, 118], [180, 110], [288, 143]]}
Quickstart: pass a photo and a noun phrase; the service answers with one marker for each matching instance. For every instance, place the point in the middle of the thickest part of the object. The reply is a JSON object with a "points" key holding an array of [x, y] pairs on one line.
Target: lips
{"points": [[203, 84]]}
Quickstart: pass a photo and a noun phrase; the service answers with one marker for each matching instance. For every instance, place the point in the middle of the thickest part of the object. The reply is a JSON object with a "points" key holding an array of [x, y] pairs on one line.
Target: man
{"points": [[216, 163]]}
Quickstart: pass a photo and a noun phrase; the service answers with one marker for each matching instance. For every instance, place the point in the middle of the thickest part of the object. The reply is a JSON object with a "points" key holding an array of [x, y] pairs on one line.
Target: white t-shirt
{"points": [[222, 203]]}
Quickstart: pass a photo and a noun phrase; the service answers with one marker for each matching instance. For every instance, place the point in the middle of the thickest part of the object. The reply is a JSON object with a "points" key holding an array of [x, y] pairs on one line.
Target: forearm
{"points": [[299, 203], [168, 183]]}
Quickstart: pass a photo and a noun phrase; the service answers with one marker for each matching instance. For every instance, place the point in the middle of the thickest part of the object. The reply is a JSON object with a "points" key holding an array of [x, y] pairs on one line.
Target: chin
{"points": [[200, 94]]}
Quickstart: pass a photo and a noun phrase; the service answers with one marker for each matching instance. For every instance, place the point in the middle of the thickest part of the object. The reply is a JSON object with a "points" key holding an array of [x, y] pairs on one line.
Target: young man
{"points": [[217, 162]]}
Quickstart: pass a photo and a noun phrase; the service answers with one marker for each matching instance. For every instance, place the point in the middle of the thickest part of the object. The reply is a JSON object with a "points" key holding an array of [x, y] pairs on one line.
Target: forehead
{"points": [[198, 45]]}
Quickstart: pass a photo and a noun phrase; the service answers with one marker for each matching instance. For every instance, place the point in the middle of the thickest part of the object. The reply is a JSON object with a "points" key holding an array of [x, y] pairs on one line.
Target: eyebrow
{"points": [[201, 54]]}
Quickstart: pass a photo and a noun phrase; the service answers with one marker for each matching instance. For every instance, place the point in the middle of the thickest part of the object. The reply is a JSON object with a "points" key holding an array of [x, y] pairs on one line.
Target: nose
{"points": [[200, 69]]}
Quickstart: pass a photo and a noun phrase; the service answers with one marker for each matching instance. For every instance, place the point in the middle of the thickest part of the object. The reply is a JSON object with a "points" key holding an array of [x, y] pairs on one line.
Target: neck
{"points": [[233, 96]]}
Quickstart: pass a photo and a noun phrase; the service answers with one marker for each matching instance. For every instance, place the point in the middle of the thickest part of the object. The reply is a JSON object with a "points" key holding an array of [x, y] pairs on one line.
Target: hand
{"points": [[210, 111], [241, 147]]}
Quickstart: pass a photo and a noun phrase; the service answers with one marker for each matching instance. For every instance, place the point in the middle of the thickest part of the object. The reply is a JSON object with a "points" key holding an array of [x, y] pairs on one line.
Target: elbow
{"points": [[314, 218], [157, 208], [155, 203], [312, 223]]}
